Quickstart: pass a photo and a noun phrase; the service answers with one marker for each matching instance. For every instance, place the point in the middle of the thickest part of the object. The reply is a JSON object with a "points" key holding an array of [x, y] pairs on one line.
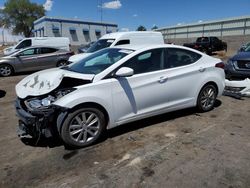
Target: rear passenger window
{"points": [[176, 57], [48, 50], [122, 42], [148, 61]]}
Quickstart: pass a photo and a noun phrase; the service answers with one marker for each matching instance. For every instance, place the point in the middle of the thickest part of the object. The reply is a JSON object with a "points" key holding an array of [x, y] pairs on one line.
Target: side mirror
{"points": [[124, 72]]}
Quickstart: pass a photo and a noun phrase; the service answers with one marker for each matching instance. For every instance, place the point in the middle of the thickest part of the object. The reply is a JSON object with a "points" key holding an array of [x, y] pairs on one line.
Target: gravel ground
{"points": [[179, 149]]}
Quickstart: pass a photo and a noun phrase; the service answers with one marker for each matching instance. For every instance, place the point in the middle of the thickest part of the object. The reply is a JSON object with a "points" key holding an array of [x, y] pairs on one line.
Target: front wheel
{"points": [[206, 98], [83, 127], [6, 70]]}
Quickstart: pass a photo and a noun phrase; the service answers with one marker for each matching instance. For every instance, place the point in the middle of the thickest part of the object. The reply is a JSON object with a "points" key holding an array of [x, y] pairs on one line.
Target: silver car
{"points": [[33, 59]]}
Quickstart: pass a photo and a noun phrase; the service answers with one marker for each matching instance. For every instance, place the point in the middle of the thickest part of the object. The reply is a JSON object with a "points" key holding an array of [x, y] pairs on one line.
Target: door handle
{"points": [[162, 79], [201, 69]]}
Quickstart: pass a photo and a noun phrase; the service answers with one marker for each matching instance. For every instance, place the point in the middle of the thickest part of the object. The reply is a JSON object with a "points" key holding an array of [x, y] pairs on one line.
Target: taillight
{"points": [[220, 65]]}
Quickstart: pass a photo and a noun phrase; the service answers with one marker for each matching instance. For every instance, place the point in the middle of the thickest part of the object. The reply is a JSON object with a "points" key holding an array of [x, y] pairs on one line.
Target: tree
{"points": [[19, 15], [141, 28], [154, 27]]}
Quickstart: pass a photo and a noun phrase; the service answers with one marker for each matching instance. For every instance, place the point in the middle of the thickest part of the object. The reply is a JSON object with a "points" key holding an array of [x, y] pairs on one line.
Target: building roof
{"points": [[67, 20], [205, 23]]}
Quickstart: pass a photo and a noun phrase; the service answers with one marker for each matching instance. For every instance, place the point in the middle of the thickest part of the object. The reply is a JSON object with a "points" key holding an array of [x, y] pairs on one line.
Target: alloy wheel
{"points": [[5, 70], [84, 127], [208, 97]]}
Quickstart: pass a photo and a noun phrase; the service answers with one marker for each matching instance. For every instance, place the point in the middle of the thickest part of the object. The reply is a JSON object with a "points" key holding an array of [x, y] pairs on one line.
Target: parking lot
{"points": [[178, 149]]}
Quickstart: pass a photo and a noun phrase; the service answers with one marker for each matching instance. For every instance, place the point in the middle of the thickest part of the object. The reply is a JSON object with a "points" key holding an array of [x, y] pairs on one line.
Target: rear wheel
{"points": [[62, 63], [6, 70], [207, 98], [83, 127]]}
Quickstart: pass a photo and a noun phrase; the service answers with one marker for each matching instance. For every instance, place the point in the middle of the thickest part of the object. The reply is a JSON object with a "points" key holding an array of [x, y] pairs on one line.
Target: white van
{"points": [[58, 42], [121, 38]]}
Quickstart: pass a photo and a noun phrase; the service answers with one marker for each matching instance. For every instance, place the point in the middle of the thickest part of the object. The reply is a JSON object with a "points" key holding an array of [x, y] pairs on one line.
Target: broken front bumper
{"points": [[36, 123], [239, 88]]}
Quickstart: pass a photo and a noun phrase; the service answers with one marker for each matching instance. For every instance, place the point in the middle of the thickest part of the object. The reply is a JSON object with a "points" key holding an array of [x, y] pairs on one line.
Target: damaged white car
{"points": [[115, 86], [237, 88]]}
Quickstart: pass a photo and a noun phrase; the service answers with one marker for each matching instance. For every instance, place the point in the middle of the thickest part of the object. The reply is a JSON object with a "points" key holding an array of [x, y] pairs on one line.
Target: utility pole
{"points": [[101, 11], [3, 34]]}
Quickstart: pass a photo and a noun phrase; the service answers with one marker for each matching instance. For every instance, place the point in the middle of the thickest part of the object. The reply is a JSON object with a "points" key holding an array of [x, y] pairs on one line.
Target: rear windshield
{"points": [[99, 61], [100, 44]]}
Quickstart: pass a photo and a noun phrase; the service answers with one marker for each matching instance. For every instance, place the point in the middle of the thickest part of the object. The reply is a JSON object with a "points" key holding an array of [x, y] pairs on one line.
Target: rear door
{"points": [[47, 57], [183, 74]]}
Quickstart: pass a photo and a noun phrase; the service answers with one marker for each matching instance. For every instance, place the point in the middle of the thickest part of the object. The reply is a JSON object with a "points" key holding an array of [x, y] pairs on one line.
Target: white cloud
{"points": [[112, 5], [200, 21], [135, 15], [48, 5], [2, 7]]}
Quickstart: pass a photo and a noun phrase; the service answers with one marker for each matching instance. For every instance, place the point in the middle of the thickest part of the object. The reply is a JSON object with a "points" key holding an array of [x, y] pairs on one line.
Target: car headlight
{"points": [[44, 103]]}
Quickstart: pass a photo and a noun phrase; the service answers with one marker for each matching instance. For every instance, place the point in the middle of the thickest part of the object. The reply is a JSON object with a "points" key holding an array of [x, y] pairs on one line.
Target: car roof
{"points": [[146, 46], [128, 33]]}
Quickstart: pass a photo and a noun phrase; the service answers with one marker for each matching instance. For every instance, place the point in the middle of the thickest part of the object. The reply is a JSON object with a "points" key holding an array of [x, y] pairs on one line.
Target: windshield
{"points": [[99, 61], [100, 44], [247, 49]]}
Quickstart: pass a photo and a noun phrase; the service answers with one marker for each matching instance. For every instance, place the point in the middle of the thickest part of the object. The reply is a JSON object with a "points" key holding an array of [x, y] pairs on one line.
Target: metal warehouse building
{"points": [[234, 31], [78, 31]]}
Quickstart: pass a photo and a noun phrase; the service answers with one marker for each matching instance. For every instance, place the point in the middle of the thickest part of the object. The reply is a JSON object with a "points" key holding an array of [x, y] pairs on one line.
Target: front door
{"points": [[143, 92], [28, 59]]}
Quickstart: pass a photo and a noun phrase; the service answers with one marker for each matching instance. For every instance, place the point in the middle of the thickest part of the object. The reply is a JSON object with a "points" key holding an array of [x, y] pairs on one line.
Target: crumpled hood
{"points": [[78, 57], [45, 81]]}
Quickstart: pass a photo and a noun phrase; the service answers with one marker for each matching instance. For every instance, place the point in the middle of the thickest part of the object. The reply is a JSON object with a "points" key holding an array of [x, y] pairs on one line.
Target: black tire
{"points": [[6, 70], [206, 98], [62, 63], [76, 134]]}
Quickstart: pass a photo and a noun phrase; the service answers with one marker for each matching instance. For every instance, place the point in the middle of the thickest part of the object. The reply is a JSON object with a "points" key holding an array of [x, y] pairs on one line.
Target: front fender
{"points": [[100, 94]]}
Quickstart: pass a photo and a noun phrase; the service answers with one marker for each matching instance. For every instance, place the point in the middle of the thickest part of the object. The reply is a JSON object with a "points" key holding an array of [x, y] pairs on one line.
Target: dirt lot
{"points": [[180, 149]]}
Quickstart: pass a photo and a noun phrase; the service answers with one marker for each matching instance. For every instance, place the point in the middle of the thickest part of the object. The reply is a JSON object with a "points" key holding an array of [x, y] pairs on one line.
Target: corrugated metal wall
{"points": [[219, 28]]}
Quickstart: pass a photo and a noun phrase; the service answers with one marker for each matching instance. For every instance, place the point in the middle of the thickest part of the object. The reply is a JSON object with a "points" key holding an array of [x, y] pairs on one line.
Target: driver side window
{"points": [[29, 52], [24, 44], [149, 61]]}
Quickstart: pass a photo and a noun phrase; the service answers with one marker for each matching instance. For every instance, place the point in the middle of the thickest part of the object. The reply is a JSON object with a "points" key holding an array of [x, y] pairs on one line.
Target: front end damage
{"points": [[237, 89], [36, 123], [36, 94]]}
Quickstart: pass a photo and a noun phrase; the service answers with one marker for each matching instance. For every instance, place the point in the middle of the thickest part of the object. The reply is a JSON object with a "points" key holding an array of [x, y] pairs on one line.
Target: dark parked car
{"points": [[33, 59], [238, 66], [207, 45], [244, 46]]}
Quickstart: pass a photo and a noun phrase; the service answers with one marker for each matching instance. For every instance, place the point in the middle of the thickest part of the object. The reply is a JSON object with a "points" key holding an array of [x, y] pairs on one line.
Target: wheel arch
{"points": [[63, 115], [207, 83], [13, 68]]}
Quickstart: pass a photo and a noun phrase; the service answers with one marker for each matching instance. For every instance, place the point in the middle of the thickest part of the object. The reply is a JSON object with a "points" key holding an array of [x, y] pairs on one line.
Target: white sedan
{"points": [[115, 86]]}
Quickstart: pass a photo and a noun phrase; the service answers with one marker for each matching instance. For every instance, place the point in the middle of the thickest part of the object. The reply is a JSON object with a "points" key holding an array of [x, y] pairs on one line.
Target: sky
{"points": [[129, 14]]}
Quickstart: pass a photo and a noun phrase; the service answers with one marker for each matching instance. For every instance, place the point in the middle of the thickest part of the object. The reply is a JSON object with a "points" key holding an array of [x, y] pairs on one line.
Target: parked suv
{"points": [[238, 66], [32, 59], [115, 86]]}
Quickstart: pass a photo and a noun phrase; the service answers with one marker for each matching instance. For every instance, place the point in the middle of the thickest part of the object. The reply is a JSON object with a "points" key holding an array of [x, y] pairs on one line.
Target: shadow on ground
{"points": [[2, 93], [55, 142]]}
